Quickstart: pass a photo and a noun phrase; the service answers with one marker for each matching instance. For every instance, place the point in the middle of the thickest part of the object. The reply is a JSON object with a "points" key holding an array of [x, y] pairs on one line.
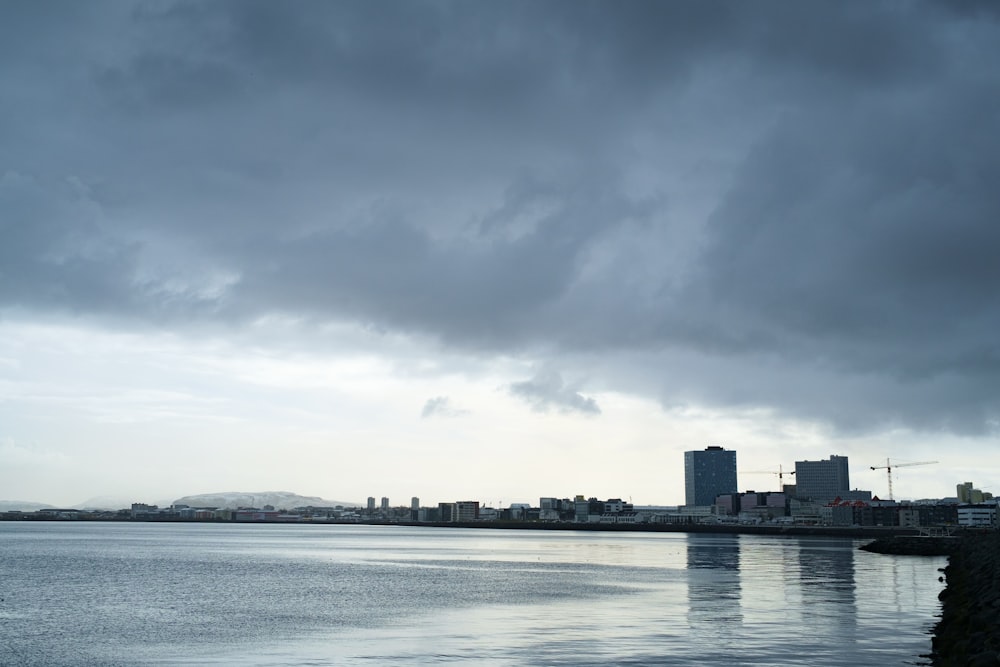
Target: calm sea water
{"points": [[197, 594]]}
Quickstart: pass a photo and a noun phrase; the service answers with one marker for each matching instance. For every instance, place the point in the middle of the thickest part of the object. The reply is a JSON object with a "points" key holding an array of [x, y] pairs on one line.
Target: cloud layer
{"points": [[767, 205]]}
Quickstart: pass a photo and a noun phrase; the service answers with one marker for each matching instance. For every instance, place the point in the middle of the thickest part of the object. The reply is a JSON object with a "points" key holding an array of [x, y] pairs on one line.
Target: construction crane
{"points": [[889, 466], [781, 474]]}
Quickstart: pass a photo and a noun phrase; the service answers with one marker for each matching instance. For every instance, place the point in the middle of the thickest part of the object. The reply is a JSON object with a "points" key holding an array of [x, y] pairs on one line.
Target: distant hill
{"points": [[23, 505], [277, 499]]}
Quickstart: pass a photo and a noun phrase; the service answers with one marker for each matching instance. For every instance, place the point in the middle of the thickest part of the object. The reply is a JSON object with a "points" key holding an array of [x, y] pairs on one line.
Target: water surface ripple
{"points": [[91, 594]]}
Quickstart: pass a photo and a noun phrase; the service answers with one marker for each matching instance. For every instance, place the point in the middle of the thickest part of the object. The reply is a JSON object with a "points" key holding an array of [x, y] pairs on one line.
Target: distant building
{"points": [[615, 510], [414, 509], [549, 509], [708, 474], [967, 494], [822, 481], [556, 509], [466, 510], [144, 511], [385, 505], [763, 506], [520, 512], [371, 504]]}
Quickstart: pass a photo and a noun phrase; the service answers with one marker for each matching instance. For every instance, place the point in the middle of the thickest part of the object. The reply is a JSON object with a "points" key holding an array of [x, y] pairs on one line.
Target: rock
{"points": [[910, 545], [985, 659], [968, 633]]}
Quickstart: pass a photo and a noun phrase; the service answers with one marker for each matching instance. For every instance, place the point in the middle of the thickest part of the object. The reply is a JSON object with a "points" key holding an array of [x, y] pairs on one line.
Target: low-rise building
{"points": [[983, 515]]}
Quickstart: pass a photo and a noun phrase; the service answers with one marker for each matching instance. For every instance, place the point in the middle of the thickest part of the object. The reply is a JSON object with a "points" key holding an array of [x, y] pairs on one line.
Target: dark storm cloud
{"points": [[804, 192]]}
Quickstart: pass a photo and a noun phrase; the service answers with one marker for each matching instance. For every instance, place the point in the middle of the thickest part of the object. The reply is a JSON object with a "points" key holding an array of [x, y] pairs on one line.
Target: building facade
{"points": [[822, 481], [977, 516], [708, 474], [466, 510]]}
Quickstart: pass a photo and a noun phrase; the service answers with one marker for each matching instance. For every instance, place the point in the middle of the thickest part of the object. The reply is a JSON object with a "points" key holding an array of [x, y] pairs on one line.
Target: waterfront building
{"points": [[519, 512], [371, 504], [729, 503], [414, 509], [446, 512], [144, 511], [708, 474], [978, 516], [466, 510], [556, 509], [762, 506], [822, 481], [616, 510], [385, 505]]}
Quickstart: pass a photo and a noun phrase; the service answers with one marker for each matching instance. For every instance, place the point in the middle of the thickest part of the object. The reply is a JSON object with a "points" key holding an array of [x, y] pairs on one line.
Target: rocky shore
{"points": [[913, 545], [968, 633]]}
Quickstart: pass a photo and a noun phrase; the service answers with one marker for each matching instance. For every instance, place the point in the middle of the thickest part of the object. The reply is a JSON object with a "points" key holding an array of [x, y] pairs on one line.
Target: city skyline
{"points": [[495, 250], [823, 481]]}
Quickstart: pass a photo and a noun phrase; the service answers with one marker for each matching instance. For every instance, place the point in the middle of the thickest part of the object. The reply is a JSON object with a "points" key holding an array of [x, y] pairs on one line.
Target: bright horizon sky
{"points": [[495, 251]]}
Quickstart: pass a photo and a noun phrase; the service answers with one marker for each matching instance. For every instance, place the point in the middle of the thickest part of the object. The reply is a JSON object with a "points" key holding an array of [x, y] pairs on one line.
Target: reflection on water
{"points": [[182, 594], [714, 582]]}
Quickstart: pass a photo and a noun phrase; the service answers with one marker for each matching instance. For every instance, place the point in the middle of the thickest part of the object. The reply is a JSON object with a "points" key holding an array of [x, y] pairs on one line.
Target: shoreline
{"points": [[859, 532], [968, 632]]}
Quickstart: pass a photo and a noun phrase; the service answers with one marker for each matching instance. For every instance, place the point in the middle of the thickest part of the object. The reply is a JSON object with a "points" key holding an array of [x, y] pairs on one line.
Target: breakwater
{"points": [[968, 633], [914, 545]]}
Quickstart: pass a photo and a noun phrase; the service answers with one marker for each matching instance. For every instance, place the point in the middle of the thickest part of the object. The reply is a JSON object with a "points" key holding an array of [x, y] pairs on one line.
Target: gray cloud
{"points": [[784, 206], [547, 391], [441, 406]]}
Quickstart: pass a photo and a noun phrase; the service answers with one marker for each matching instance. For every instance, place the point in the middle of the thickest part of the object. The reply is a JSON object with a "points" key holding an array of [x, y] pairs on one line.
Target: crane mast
{"points": [[780, 473], [889, 466]]}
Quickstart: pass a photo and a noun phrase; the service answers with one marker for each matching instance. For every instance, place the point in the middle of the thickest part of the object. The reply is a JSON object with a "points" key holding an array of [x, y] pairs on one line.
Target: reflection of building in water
{"points": [[826, 577], [713, 576]]}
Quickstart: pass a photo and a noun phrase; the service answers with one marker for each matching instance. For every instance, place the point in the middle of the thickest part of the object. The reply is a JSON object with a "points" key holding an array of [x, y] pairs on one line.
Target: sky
{"points": [[495, 251]]}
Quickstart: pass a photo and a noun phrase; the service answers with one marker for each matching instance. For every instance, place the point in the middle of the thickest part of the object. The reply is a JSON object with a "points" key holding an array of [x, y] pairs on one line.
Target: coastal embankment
{"points": [[968, 633], [914, 545]]}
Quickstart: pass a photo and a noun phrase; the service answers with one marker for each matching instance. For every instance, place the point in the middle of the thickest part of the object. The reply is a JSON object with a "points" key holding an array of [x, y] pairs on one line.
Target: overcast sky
{"points": [[495, 251]]}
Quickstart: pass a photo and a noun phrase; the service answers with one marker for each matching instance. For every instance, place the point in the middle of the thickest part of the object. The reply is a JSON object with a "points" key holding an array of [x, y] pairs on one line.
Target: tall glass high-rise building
{"points": [[708, 474]]}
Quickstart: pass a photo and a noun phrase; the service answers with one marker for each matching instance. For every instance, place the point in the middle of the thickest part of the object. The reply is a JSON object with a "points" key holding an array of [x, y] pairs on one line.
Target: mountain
{"points": [[23, 505], [277, 499]]}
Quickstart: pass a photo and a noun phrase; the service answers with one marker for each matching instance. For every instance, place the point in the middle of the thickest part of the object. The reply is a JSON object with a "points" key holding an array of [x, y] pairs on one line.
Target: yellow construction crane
{"points": [[889, 466], [780, 473]]}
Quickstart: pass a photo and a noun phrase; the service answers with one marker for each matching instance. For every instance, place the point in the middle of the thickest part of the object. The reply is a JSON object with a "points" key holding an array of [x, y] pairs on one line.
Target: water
{"points": [[209, 594]]}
